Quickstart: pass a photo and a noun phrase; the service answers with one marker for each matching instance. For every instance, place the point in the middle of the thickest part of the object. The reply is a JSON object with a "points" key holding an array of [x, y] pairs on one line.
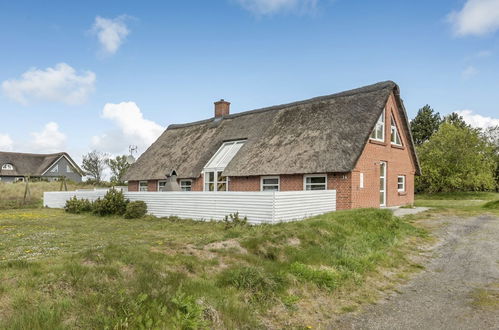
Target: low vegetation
{"points": [[12, 194], [62, 270]]}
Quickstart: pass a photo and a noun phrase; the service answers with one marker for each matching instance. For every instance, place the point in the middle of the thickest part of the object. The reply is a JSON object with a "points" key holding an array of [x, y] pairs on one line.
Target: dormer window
{"points": [[395, 137], [214, 180], [378, 133], [8, 167]]}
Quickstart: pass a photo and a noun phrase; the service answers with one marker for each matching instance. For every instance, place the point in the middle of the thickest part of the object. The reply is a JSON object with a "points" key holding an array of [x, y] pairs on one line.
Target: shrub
{"points": [[76, 206], [233, 220], [136, 209], [114, 202]]}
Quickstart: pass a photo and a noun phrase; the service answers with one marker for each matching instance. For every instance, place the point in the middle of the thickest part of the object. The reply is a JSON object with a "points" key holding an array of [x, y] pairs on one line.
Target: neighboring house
{"points": [[16, 166], [357, 142]]}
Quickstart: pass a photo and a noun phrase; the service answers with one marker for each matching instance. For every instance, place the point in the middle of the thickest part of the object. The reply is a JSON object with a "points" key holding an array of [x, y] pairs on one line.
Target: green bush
{"points": [[76, 206], [136, 209], [113, 203], [233, 220]]}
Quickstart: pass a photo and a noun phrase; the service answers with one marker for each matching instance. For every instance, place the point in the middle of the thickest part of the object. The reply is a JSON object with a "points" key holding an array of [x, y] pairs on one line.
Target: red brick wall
{"points": [[399, 162], [133, 185], [152, 185]]}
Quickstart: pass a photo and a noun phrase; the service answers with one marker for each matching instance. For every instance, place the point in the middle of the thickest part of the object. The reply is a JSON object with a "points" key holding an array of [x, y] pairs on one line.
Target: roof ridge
{"points": [[33, 154], [363, 89]]}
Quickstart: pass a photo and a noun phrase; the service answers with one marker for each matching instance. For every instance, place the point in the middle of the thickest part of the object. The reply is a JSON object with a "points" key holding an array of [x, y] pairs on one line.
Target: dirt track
{"points": [[464, 263]]}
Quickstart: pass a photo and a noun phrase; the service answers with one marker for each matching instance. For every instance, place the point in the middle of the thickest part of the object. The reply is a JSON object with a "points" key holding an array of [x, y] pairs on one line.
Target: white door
{"points": [[382, 184]]}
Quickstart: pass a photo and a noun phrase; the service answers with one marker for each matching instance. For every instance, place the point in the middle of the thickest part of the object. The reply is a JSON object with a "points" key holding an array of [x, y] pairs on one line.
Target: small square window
{"points": [[186, 185], [315, 182], [143, 186], [401, 183], [270, 183]]}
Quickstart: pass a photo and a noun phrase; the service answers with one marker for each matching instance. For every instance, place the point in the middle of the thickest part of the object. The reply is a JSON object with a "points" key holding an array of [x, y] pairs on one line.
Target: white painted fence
{"points": [[258, 207]]}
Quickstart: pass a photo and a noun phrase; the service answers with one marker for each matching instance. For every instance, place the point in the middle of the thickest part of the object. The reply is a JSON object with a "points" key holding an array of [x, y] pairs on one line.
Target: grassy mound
{"points": [[80, 271], [492, 205]]}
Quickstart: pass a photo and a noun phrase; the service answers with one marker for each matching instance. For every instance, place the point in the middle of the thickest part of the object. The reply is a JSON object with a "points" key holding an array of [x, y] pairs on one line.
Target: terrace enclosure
{"points": [[356, 142]]}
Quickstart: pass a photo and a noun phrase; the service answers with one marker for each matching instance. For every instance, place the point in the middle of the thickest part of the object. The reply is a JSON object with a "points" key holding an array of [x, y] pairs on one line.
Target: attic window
{"points": [[8, 167], [55, 169], [378, 132], [395, 137], [214, 180]]}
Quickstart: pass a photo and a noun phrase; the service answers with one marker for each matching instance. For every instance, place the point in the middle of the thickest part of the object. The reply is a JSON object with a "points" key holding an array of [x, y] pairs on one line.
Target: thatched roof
{"points": [[323, 134], [30, 164]]}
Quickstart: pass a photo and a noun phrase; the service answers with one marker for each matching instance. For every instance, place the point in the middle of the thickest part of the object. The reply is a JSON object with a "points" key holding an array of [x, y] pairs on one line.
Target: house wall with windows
{"points": [[398, 163]]}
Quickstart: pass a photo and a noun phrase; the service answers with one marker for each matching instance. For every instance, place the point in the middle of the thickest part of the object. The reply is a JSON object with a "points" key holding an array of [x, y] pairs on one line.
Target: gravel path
{"points": [[465, 260]]}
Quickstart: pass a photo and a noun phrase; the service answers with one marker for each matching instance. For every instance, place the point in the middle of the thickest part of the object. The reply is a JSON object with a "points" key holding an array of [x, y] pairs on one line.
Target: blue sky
{"points": [[83, 75]]}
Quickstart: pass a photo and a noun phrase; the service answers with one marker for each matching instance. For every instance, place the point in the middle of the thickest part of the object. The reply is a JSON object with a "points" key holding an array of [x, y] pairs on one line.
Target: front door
{"points": [[382, 184]]}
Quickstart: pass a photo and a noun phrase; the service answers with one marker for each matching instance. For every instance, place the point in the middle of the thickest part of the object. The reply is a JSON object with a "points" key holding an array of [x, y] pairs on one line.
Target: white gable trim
{"points": [[69, 161]]}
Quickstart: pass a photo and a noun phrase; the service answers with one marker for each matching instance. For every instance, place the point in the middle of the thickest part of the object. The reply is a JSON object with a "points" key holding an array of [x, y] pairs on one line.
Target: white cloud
{"points": [[50, 139], [477, 120], [268, 7], [111, 32], [133, 129], [5, 142], [58, 84], [469, 72], [476, 18]]}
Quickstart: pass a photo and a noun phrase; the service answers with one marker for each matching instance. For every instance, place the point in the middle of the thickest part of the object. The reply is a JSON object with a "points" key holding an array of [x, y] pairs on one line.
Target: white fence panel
{"points": [[258, 207], [57, 199], [207, 205], [295, 205]]}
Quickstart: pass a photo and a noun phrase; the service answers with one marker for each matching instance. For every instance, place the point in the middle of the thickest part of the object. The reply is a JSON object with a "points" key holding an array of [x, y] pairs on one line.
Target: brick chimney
{"points": [[222, 108]]}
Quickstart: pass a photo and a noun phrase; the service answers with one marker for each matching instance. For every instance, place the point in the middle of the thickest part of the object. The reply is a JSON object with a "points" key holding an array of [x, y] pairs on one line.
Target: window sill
{"points": [[381, 143], [402, 193], [396, 146]]}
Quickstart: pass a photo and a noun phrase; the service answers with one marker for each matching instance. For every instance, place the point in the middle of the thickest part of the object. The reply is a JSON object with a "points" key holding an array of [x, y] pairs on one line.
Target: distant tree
{"points": [[118, 167], [456, 120], [456, 159], [94, 164], [425, 124], [491, 134]]}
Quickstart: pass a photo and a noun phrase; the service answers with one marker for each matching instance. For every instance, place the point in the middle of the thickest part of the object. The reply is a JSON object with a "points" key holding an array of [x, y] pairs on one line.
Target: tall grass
{"points": [[80, 271], [12, 194]]}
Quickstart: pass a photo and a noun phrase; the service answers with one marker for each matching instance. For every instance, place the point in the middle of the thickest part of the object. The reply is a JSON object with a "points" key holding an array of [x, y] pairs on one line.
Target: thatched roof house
{"points": [[16, 166], [327, 134]]}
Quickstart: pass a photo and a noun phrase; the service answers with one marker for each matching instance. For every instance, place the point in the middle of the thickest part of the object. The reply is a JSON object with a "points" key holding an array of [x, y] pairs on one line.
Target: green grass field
{"points": [[60, 271]]}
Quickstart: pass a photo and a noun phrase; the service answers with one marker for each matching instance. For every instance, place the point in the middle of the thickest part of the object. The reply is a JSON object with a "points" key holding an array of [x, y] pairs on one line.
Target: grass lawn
{"points": [[461, 203], [60, 270]]}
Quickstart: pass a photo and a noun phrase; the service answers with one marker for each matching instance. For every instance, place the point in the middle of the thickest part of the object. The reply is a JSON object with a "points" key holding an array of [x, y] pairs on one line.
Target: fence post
{"points": [[273, 207]]}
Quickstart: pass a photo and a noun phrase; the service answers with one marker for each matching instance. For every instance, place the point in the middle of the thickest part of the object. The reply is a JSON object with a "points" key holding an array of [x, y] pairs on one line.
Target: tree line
{"points": [[453, 155], [94, 163]]}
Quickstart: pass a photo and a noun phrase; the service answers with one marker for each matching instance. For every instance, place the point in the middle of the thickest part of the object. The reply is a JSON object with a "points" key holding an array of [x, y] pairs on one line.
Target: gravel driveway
{"points": [[443, 296]]}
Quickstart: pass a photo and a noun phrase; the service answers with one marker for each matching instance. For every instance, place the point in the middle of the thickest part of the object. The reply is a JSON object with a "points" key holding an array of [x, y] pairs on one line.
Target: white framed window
{"points": [[401, 183], [8, 167], [394, 136], [361, 180], [378, 132], [161, 185], [269, 183], [315, 182], [55, 169], [142, 185], [215, 181], [186, 185], [69, 169]]}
